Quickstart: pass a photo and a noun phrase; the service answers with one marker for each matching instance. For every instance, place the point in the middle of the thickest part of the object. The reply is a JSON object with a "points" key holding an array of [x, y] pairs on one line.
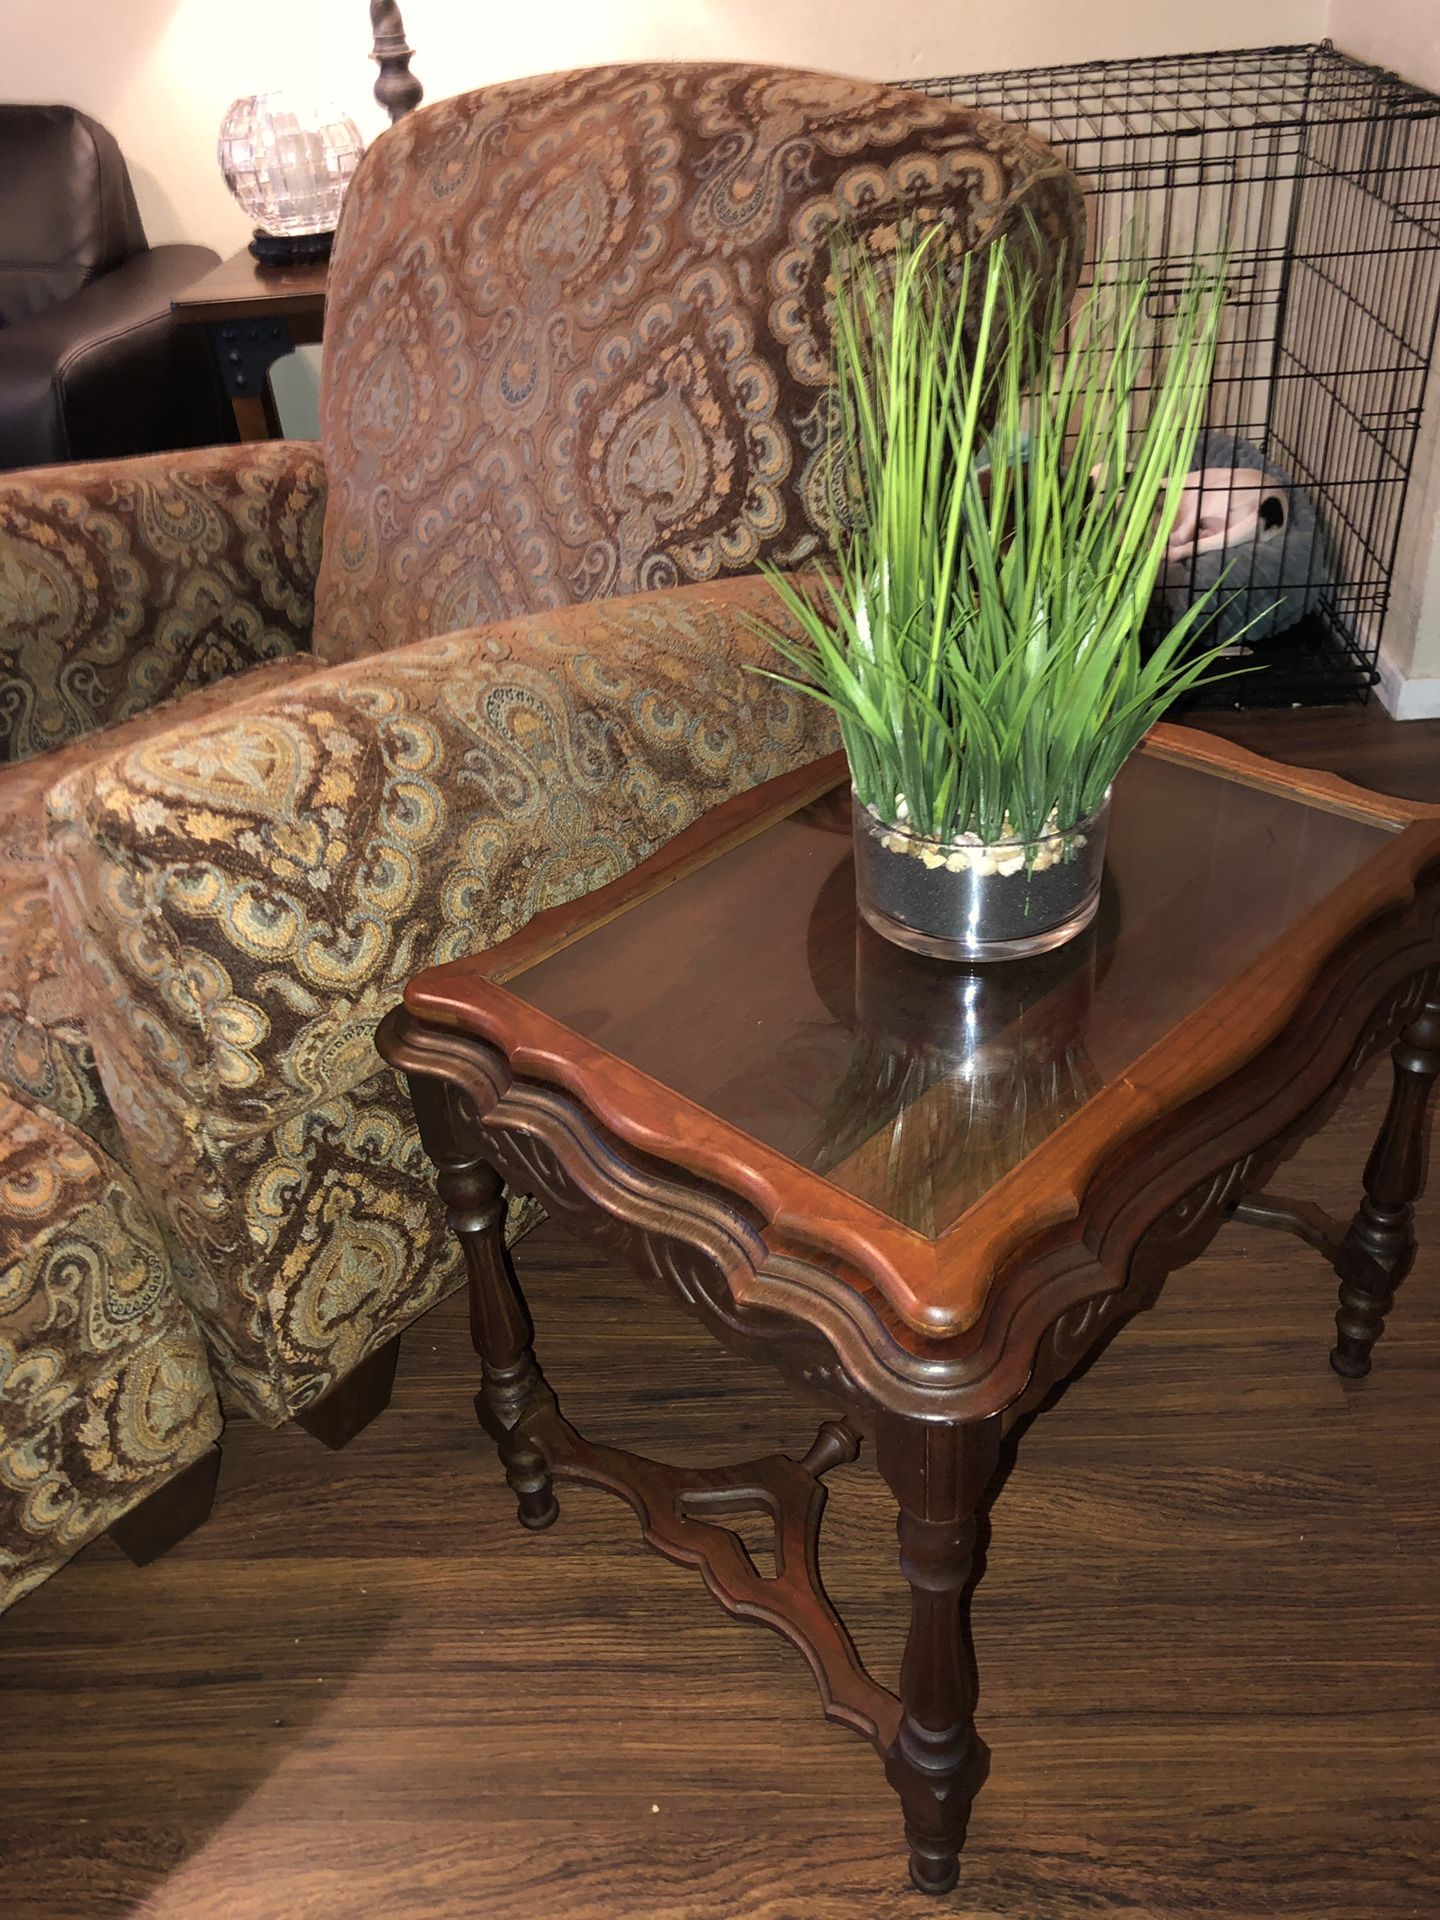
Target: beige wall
{"points": [[1401, 34]]}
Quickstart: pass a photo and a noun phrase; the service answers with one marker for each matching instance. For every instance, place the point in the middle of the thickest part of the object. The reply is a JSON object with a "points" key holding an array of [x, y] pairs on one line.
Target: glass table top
{"points": [[751, 986]]}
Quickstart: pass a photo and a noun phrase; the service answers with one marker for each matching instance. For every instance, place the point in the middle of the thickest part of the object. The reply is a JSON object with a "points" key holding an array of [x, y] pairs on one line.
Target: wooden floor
{"points": [[1208, 1635]]}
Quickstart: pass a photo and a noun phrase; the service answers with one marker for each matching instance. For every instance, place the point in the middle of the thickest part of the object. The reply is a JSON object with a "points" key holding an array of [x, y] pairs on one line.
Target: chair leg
{"points": [[352, 1403], [167, 1515]]}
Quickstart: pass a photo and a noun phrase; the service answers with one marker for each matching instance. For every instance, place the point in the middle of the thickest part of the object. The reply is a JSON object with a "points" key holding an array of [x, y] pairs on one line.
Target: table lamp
{"points": [[288, 157]]}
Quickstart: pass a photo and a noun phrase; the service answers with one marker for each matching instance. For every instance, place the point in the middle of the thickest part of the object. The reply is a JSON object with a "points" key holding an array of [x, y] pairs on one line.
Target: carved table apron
{"points": [[936, 1409]]}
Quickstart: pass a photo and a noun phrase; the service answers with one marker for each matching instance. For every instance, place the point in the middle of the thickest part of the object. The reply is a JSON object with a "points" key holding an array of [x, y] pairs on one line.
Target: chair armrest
{"points": [[109, 371], [241, 901], [126, 582]]}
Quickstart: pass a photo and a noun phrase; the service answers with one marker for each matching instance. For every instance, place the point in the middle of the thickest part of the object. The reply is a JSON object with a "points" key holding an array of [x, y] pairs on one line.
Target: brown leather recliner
{"points": [[92, 364]]}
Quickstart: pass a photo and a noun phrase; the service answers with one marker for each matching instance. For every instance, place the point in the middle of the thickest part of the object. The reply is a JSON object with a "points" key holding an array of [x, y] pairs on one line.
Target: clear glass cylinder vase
{"points": [[961, 900]]}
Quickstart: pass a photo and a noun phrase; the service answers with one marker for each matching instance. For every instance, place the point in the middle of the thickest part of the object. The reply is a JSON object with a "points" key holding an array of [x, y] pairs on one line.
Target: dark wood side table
{"points": [[255, 315], [925, 1192]]}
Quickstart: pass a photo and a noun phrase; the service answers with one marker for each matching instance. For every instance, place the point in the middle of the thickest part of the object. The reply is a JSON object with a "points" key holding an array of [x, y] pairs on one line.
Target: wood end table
{"points": [[254, 316], [927, 1192]]}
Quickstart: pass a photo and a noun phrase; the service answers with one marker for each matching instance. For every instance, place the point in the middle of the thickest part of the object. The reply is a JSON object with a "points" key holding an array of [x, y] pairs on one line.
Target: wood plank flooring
{"points": [[1207, 1633]]}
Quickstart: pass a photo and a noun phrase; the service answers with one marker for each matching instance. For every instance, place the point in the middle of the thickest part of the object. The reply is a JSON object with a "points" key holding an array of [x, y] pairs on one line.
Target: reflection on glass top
{"points": [[753, 988]]}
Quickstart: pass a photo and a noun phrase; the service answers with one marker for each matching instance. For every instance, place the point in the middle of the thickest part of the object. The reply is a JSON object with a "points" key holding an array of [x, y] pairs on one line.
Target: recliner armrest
{"points": [[125, 583], [378, 817], [106, 372]]}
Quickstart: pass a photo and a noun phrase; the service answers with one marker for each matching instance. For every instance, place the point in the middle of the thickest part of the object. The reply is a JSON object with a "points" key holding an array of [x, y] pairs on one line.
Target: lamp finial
{"points": [[397, 89]]}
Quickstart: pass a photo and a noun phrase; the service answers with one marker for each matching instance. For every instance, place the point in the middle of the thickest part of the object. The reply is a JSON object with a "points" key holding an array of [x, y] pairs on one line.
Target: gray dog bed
{"points": [[1247, 520]]}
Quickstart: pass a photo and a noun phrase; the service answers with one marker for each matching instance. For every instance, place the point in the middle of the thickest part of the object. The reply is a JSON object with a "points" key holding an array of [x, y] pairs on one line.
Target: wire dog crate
{"points": [[1319, 178]]}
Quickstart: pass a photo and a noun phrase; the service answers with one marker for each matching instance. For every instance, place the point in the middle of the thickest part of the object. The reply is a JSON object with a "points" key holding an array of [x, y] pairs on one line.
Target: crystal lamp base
{"points": [[291, 249]]}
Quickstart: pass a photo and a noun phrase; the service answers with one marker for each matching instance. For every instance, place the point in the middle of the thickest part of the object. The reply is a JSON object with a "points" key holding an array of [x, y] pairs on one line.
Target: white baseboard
{"points": [[1406, 699]]}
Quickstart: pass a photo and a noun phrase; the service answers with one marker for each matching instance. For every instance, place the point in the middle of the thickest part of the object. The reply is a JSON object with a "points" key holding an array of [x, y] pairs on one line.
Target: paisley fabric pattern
{"points": [[105, 1390], [127, 582], [575, 332], [239, 902], [45, 1047]]}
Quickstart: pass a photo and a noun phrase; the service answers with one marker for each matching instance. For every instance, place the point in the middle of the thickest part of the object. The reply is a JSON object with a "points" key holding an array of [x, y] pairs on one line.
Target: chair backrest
{"points": [[575, 338], [67, 209]]}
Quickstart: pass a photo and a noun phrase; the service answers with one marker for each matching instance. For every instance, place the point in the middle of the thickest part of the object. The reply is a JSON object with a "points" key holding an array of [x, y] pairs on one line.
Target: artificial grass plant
{"points": [[1008, 474]]}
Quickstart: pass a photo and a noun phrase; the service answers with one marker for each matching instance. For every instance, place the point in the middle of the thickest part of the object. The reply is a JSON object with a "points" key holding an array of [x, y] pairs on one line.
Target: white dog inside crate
{"points": [[1246, 523]]}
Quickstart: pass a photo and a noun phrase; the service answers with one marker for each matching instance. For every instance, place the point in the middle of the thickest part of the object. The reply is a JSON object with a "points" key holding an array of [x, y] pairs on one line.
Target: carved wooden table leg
{"points": [[938, 1474], [511, 1383], [1376, 1252]]}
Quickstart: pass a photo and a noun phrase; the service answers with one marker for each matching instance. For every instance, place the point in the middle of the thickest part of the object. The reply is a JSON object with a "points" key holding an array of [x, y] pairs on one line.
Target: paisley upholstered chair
{"points": [[574, 375]]}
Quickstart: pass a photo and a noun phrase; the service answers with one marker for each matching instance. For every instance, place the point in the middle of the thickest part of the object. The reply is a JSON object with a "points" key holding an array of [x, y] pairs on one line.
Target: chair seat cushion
{"points": [[44, 1050]]}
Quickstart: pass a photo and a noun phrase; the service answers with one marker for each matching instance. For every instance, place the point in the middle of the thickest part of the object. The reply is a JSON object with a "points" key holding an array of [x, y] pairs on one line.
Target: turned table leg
{"points": [[938, 1474], [511, 1383], [1376, 1252]]}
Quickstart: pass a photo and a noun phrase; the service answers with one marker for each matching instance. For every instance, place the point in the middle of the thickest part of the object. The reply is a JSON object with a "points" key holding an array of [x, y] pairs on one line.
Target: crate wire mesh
{"points": [[1319, 178]]}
